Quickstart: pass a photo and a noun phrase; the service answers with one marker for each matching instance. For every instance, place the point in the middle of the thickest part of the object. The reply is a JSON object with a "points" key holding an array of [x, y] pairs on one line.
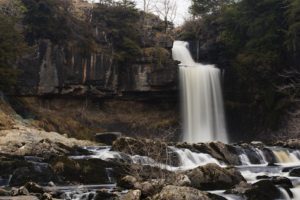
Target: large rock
{"points": [[86, 171], [184, 193], [214, 177], [295, 172], [147, 188], [132, 195], [261, 190], [108, 137]]}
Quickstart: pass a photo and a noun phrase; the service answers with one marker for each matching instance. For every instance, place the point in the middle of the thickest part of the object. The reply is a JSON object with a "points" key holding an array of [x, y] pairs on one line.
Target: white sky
{"points": [[182, 12], [182, 9]]}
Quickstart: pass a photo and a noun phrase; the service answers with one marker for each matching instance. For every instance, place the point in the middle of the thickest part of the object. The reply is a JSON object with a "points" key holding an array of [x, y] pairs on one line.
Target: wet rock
{"points": [[182, 180], [108, 137], [19, 191], [46, 196], [34, 188], [145, 147], [295, 172], [282, 181], [104, 194], [36, 173], [28, 197], [261, 190], [184, 193], [289, 143], [214, 177], [132, 195], [4, 192], [128, 182], [147, 188], [86, 171]]}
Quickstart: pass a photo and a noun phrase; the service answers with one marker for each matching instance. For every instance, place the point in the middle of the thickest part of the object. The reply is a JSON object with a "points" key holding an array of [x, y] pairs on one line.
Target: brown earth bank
{"points": [[82, 118]]}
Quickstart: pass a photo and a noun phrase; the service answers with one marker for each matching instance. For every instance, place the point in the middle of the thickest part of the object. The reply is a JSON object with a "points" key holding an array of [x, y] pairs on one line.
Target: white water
{"points": [[203, 112]]}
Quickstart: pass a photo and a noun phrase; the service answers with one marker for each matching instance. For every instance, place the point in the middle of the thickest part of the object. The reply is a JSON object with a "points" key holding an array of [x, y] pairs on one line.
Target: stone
{"points": [[184, 193], [4, 192], [182, 180], [46, 196], [295, 172], [108, 137], [261, 190], [20, 198], [128, 182], [147, 188], [132, 195], [104, 194], [214, 177], [34, 188]]}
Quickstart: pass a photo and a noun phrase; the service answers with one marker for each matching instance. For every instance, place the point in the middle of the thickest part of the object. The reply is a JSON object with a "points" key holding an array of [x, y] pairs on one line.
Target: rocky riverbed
{"points": [[35, 164]]}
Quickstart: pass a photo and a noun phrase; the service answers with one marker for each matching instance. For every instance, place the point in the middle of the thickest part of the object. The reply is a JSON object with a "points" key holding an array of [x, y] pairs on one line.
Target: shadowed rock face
{"points": [[62, 70]]}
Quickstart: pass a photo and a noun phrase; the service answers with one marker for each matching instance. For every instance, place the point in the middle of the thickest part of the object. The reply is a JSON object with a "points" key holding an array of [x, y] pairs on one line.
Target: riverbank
{"points": [[35, 164]]}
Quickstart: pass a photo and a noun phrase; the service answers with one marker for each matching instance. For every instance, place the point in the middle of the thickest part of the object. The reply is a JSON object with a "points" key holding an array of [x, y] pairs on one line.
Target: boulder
{"points": [[132, 195], [147, 188], [214, 177], [295, 172], [128, 182], [282, 181], [85, 171], [29, 197], [108, 137], [181, 180], [105, 194], [4, 192], [34, 172], [46, 196], [184, 193], [34, 188], [261, 190]]}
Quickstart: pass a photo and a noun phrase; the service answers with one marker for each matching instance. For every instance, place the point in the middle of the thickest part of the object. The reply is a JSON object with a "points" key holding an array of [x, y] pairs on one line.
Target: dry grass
{"points": [[83, 118]]}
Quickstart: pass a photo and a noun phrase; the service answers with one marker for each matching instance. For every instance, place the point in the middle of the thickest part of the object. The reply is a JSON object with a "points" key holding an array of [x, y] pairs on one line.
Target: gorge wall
{"points": [[97, 78]]}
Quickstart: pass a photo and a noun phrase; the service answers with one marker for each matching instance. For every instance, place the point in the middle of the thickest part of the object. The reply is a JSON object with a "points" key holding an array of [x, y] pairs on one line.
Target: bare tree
{"points": [[167, 10]]}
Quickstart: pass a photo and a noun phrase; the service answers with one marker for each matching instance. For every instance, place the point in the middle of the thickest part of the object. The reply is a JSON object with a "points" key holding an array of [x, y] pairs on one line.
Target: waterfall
{"points": [[203, 112]]}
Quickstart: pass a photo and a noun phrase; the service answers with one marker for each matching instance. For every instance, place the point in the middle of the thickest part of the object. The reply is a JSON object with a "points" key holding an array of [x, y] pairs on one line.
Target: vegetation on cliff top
{"points": [[257, 42]]}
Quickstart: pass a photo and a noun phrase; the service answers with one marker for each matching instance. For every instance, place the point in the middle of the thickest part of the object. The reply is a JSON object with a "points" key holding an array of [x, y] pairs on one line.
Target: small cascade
{"points": [[284, 194], [187, 158], [202, 101], [190, 160], [260, 155], [296, 193], [284, 156], [77, 195], [110, 175]]}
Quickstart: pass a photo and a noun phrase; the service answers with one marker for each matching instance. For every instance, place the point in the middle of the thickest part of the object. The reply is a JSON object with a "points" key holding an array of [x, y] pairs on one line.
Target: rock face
{"points": [[214, 177], [184, 193], [63, 70]]}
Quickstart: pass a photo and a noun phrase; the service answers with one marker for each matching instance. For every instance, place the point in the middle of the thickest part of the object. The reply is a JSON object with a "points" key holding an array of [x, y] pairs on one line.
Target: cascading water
{"points": [[203, 112]]}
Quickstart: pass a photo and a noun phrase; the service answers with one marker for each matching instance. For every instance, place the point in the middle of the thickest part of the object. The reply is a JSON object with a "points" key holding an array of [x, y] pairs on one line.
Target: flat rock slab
{"points": [[20, 198]]}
